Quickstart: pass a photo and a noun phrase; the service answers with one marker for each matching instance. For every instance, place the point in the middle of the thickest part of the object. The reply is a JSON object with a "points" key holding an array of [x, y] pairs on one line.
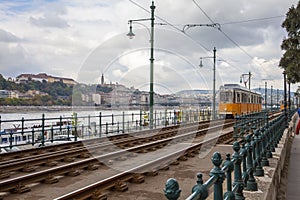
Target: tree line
{"points": [[58, 93]]}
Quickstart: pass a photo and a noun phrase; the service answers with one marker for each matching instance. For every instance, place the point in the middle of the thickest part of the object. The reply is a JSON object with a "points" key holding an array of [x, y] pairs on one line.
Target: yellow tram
{"points": [[236, 100]]}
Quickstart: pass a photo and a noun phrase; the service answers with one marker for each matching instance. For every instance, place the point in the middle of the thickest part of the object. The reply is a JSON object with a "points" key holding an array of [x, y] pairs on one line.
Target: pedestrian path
{"points": [[293, 183]]}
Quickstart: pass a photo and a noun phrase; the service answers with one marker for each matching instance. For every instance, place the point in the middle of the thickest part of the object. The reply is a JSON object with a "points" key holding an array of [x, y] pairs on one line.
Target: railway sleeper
{"points": [[120, 186], [50, 179], [92, 166], [74, 172], [175, 162], [137, 178], [84, 155], [4, 174], [98, 195], [28, 168], [21, 188], [182, 158], [190, 154], [68, 159], [164, 167], [51, 163], [151, 173]]}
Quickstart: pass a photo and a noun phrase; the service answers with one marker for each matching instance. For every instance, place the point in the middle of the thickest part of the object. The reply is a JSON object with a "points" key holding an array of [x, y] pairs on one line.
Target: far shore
{"points": [[30, 109]]}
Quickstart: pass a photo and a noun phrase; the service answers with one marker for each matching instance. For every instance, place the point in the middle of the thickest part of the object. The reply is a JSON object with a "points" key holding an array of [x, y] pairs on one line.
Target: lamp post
{"points": [[277, 99], [271, 97], [285, 103], [266, 96], [131, 35], [214, 81]]}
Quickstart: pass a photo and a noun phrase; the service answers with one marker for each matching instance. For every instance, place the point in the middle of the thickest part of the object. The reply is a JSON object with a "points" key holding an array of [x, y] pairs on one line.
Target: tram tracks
{"points": [[18, 184]]}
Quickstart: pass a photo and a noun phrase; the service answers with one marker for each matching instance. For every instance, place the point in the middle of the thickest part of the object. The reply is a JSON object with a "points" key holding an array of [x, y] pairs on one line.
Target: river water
{"points": [[84, 117]]}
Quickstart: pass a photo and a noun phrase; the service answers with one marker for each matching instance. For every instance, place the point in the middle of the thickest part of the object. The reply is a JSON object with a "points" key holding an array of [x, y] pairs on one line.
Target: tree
{"points": [[290, 61]]}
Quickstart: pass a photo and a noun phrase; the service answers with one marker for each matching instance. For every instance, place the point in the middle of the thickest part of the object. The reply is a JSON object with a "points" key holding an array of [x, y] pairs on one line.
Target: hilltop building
{"points": [[25, 78]]}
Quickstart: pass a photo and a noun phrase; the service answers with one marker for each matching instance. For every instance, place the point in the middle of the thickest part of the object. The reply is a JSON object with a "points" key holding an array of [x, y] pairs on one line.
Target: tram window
{"points": [[226, 96], [238, 97], [252, 100], [244, 98]]}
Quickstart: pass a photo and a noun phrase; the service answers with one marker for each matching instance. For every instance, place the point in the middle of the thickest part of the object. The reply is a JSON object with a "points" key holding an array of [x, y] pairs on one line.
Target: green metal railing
{"points": [[248, 159], [41, 130]]}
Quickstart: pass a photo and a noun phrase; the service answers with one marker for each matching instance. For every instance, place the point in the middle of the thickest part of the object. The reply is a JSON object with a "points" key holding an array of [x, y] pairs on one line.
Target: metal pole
{"points": [[289, 96], [271, 97], [249, 79], [277, 99], [266, 96], [152, 7], [214, 86], [284, 86]]}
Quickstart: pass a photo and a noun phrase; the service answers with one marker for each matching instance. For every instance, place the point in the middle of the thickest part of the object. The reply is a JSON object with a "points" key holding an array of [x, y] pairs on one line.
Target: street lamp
{"points": [[218, 26], [131, 35], [285, 103], [214, 81]]}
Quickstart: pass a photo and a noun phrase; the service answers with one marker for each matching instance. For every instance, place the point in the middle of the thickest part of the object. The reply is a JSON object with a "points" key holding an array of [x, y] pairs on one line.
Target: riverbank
{"points": [[35, 109], [29, 109]]}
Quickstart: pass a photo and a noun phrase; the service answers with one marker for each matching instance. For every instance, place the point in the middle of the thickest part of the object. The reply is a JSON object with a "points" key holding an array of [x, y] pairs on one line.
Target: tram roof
{"points": [[237, 86]]}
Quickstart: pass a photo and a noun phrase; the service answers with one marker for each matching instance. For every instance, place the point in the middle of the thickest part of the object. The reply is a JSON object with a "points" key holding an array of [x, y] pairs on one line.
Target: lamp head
{"points": [[130, 34], [201, 64]]}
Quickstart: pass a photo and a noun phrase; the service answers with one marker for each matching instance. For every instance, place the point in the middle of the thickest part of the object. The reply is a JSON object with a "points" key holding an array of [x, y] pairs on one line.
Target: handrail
{"points": [[250, 155]]}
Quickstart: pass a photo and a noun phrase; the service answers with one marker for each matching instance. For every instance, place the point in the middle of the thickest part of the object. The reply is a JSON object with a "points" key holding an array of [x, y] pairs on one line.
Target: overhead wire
{"points": [[227, 36], [180, 30]]}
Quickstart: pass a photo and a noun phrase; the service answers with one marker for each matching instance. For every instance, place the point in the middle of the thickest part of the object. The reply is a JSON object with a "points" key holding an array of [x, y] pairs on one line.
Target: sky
{"points": [[85, 39]]}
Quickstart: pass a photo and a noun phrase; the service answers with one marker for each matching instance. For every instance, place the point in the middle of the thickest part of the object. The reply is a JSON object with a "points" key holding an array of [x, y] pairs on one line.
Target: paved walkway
{"points": [[293, 185]]}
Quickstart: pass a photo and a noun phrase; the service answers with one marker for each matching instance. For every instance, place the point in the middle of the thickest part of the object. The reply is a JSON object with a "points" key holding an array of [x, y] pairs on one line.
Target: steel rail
{"points": [[88, 191], [74, 152], [10, 184], [38, 151]]}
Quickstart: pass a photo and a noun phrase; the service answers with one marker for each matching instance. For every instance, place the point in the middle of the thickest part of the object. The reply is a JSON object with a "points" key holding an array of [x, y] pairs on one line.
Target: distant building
{"points": [[4, 94], [96, 98], [43, 77], [13, 94]]}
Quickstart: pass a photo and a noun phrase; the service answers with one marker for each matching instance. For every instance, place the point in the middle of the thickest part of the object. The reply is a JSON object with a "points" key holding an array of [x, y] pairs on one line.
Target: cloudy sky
{"points": [[82, 39]]}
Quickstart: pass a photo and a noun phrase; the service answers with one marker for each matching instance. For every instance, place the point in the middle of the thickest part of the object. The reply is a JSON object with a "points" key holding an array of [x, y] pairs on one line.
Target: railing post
{"points": [[172, 190], [10, 139], [237, 172], [251, 183], [100, 124], [22, 131], [76, 134], [155, 113], [216, 171], [229, 194], [123, 123], [51, 134], [60, 123], [199, 190], [268, 142], [264, 159], [259, 171], [245, 175], [43, 129], [235, 132], [32, 136]]}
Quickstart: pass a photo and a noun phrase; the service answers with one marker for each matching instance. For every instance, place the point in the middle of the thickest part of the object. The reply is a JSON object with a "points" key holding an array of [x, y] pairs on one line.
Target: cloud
{"points": [[6, 36], [49, 20], [85, 38]]}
